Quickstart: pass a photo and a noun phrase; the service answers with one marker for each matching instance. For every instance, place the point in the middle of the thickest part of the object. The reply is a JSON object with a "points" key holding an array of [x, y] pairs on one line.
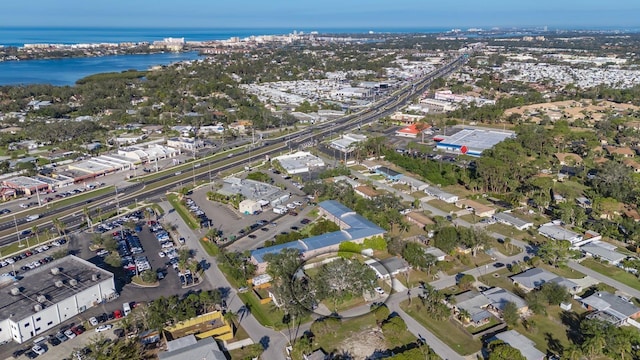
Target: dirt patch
{"points": [[361, 345]]}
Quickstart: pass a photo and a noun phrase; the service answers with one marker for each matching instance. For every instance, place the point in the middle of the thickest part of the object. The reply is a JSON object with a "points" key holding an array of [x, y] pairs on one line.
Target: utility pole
{"points": [[117, 202]]}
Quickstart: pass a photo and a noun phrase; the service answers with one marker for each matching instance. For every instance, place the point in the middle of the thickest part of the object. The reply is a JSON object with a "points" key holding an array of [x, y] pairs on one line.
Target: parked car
{"points": [[38, 350], [102, 328], [70, 334], [93, 321], [379, 290], [62, 337]]}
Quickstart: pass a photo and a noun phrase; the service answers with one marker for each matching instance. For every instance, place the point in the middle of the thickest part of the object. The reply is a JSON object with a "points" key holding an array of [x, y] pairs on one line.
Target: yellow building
{"points": [[203, 326]]}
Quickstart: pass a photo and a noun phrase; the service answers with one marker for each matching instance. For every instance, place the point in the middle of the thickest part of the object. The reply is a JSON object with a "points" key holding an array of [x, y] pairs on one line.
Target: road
{"points": [[184, 174], [604, 279]]}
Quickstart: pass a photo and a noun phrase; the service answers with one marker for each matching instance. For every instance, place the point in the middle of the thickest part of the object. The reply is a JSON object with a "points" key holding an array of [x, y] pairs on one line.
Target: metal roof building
{"points": [[353, 228], [472, 141]]}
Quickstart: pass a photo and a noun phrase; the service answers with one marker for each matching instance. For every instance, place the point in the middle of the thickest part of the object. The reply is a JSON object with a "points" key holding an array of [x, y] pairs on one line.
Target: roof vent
{"points": [[58, 283], [55, 270], [41, 298], [94, 277], [73, 282], [37, 307], [15, 291]]}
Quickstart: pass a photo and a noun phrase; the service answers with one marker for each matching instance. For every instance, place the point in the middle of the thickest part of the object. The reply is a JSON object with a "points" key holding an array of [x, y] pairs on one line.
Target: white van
{"points": [[126, 308], [32, 217], [39, 340], [280, 210]]}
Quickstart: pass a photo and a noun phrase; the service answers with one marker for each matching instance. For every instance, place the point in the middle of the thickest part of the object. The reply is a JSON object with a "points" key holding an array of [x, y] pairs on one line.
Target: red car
{"points": [[117, 314]]}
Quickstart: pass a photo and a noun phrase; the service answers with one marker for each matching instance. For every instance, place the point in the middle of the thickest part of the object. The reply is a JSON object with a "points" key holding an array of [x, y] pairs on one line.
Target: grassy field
{"points": [[480, 259], [445, 330], [268, 314], [26, 244], [188, 218], [499, 278], [565, 271], [246, 352], [349, 329], [446, 207], [503, 248], [210, 248], [612, 272], [549, 330]]}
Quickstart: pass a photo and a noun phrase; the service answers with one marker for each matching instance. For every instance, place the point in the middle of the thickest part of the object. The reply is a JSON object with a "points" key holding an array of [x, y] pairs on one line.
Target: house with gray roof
{"points": [[611, 308], [189, 347], [556, 231], [388, 267], [535, 277], [511, 220], [518, 341], [603, 251], [481, 306], [440, 194]]}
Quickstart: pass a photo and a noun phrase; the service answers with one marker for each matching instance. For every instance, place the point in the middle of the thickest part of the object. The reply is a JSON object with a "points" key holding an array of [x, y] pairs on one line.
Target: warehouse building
{"points": [[471, 141], [51, 294]]}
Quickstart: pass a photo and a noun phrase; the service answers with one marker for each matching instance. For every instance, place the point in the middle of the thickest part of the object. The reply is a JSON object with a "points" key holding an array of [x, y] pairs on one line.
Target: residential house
{"points": [[509, 219], [366, 192], [554, 230], [476, 207], [388, 173], [415, 184], [481, 306], [418, 218], [603, 251], [437, 253], [370, 165], [584, 202], [518, 341], [533, 278], [568, 158], [389, 267], [624, 152], [635, 166], [441, 194], [189, 347], [611, 308]]}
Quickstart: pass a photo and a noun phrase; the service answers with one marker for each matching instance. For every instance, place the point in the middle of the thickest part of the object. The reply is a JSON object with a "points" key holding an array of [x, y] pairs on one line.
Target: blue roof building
{"points": [[353, 227]]}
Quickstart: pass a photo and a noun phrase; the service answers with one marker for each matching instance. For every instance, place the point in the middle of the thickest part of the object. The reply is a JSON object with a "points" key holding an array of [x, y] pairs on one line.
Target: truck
{"points": [[126, 308], [280, 210]]}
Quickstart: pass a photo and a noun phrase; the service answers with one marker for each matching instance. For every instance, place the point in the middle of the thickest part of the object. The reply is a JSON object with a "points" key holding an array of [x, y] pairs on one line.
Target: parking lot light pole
{"points": [[15, 222]]}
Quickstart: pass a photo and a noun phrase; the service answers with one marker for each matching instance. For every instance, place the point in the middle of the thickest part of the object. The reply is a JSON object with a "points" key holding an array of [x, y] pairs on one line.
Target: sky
{"points": [[304, 14]]}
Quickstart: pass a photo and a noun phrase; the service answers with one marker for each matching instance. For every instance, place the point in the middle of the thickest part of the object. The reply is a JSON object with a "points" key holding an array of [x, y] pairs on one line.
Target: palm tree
{"points": [[59, 225], [34, 229], [232, 318]]}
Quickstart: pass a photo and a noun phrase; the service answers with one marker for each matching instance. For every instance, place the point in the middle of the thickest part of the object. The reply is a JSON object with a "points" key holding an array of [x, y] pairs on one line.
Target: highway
{"points": [[146, 189]]}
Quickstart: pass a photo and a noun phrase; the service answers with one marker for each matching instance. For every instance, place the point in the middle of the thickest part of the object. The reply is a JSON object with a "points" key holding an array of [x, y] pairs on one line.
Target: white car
{"points": [[297, 203], [93, 321], [166, 245], [161, 254], [291, 206], [38, 350], [70, 334], [103, 252], [102, 328], [379, 290]]}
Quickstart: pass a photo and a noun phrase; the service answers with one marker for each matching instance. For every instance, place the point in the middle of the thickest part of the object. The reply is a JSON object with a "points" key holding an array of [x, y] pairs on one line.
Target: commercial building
{"points": [[260, 192], [347, 142], [353, 227], [49, 295], [26, 185], [249, 207], [471, 141], [299, 162], [190, 144]]}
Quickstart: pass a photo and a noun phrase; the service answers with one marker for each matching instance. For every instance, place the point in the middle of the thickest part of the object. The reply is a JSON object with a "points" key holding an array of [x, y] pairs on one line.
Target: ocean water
{"points": [[68, 71], [18, 36]]}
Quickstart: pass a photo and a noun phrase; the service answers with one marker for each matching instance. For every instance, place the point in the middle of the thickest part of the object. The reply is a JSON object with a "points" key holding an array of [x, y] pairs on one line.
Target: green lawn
{"points": [[548, 328], [499, 278], [345, 304], [509, 250], [268, 314], [445, 330], [247, 352], [564, 271], [480, 259], [188, 218], [613, 272], [446, 207], [210, 248]]}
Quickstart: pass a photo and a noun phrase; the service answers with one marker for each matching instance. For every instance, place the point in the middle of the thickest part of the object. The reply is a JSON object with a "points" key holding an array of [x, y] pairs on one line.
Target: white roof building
{"points": [[299, 162]]}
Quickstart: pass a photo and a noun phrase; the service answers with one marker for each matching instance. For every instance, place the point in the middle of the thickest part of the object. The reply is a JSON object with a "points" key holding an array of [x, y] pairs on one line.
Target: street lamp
{"points": [[15, 222]]}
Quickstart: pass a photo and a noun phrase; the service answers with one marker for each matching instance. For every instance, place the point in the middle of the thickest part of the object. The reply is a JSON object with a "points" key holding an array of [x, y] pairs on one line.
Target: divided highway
{"points": [[146, 189]]}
